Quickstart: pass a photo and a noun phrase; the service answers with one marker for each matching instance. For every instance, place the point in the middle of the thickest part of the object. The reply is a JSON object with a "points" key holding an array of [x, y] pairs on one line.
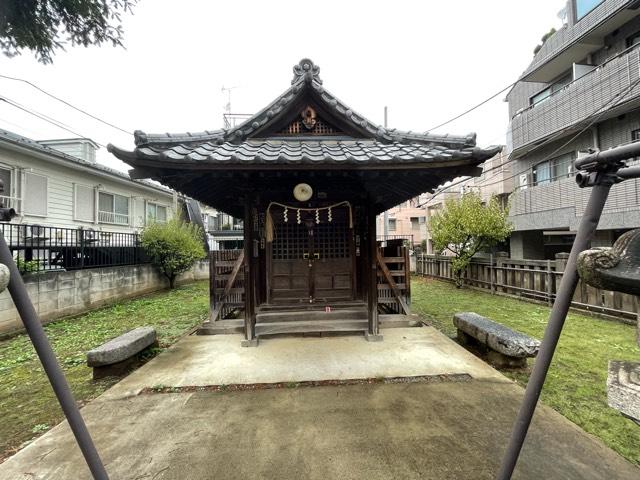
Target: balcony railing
{"points": [[597, 91], [39, 248], [115, 218]]}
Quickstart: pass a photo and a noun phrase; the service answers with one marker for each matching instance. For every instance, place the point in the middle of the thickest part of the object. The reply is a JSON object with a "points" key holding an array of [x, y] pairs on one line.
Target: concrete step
{"points": [[302, 326], [221, 327], [395, 320]]}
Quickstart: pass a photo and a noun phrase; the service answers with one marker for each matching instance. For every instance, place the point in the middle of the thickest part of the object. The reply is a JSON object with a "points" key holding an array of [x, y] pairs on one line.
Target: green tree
{"points": [[467, 225], [173, 246], [41, 25]]}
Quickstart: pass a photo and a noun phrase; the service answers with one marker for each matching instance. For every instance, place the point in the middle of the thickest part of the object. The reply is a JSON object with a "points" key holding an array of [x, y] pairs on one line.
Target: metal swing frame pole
{"points": [[38, 337], [600, 170]]}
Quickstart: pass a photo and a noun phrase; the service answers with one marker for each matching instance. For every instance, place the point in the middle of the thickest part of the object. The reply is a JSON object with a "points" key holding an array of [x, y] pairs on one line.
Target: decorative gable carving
{"points": [[308, 123]]}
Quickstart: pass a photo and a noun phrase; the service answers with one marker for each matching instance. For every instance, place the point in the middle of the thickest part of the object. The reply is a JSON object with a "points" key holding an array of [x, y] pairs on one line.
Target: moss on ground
{"points": [[28, 406], [576, 383]]}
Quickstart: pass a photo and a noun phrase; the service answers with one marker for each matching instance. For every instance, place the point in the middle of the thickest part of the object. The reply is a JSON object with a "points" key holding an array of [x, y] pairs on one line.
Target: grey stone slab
{"points": [[623, 388], [122, 347], [496, 336]]}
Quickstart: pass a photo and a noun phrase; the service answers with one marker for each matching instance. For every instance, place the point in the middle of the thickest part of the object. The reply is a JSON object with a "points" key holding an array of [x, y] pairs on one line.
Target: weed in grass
{"points": [[27, 402]]}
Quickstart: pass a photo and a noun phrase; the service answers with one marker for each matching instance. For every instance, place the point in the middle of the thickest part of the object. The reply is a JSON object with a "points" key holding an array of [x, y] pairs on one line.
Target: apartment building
{"points": [[581, 91]]}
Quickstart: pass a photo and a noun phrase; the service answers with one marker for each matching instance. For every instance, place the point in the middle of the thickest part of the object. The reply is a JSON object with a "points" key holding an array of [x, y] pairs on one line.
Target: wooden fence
{"points": [[534, 279]]}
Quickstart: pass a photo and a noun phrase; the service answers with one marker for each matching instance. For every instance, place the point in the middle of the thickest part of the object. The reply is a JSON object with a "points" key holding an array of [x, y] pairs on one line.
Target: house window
{"points": [[5, 196], [415, 223], [392, 224], [113, 208], [156, 213], [585, 6], [35, 197], [554, 169], [85, 200], [557, 85]]}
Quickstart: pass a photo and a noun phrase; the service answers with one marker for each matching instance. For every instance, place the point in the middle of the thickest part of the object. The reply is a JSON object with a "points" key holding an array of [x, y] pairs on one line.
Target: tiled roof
{"points": [[309, 151]]}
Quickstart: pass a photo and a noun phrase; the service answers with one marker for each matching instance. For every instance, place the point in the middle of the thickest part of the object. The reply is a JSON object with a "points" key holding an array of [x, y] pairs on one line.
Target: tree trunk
{"points": [[172, 281]]}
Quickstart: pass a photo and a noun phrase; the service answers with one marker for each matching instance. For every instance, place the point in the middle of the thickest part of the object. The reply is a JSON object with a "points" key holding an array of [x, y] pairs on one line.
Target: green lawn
{"points": [[576, 383], [28, 406]]}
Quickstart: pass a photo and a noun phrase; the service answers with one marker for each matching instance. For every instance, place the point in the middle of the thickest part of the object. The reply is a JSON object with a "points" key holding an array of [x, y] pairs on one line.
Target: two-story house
{"points": [[57, 183], [581, 91]]}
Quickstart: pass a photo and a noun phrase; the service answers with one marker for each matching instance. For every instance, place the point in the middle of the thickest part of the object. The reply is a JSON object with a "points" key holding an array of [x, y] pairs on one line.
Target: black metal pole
{"points": [[585, 233], [50, 364]]}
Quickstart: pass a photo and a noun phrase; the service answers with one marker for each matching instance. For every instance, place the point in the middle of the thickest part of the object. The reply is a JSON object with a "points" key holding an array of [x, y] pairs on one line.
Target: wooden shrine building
{"points": [[309, 175]]}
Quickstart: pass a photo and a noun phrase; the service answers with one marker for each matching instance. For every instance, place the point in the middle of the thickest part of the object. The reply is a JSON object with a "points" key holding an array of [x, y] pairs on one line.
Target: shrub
{"points": [[173, 247], [466, 226], [26, 266]]}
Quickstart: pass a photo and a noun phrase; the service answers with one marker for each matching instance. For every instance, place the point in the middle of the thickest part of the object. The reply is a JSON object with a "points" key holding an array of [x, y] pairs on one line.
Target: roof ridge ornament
{"points": [[306, 71]]}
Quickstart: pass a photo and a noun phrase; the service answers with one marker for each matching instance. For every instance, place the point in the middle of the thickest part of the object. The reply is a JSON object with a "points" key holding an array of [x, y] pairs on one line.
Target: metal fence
{"points": [[385, 238], [38, 248], [534, 279]]}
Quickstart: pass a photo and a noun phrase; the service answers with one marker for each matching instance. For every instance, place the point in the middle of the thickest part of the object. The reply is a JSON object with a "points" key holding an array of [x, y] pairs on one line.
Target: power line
{"points": [[617, 98], [466, 112], [43, 117], [78, 109]]}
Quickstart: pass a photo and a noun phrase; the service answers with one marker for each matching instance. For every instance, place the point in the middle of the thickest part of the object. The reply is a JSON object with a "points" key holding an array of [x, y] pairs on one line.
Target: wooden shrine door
{"points": [[311, 262]]}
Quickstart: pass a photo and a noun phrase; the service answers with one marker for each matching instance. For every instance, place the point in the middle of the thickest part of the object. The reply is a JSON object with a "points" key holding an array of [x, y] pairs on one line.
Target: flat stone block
{"points": [[496, 336], [249, 343], [123, 347], [373, 337], [623, 388]]}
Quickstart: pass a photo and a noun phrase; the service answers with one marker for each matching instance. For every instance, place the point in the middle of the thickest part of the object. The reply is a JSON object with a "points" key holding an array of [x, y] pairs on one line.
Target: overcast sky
{"points": [[426, 60]]}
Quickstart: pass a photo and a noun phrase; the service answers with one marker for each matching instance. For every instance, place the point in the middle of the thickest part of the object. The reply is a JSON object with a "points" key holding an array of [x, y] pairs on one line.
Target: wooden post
{"points": [[549, 283], [212, 284], [491, 283], [373, 335], [249, 276]]}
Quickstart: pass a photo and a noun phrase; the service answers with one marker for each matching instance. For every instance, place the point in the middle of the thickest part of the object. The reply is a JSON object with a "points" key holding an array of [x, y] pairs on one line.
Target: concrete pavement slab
{"points": [[220, 360], [439, 431]]}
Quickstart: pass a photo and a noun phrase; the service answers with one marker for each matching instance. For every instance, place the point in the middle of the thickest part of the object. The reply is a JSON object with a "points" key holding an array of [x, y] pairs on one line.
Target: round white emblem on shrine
{"points": [[302, 192]]}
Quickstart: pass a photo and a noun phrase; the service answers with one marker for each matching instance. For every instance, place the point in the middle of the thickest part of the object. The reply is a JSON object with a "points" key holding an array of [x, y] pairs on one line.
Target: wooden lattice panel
{"points": [[320, 128]]}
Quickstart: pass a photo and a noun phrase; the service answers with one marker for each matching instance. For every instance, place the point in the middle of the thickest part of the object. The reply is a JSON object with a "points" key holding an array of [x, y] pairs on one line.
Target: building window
{"points": [[633, 40], [585, 6], [392, 224], [156, 213], [113, 208], [85, 200], [5, 196], [554, 169], [35, 196], [557, 85]]}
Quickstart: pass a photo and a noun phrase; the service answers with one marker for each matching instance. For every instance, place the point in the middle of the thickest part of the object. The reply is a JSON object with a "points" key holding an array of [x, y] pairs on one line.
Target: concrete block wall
{"points": [[59, 294]]}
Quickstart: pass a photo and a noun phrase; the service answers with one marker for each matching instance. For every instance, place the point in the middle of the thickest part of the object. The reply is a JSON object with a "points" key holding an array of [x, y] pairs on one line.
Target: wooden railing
{"points": [[534, 279], [394, 278], [226, 283]]}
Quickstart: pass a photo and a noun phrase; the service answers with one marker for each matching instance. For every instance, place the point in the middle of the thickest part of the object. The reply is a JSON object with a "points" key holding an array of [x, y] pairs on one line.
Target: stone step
{"points": [[301, 326], [398, 320]]}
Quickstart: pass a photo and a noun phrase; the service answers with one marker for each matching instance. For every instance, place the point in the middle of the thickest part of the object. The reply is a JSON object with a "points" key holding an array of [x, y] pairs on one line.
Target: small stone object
{"points": [[616, 268], [623, 388], [508, 347], [4, 277], [116, 356]]}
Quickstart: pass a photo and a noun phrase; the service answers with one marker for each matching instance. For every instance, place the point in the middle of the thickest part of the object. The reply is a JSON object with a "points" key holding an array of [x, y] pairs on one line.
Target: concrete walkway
{"points": [[435, 430]]}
